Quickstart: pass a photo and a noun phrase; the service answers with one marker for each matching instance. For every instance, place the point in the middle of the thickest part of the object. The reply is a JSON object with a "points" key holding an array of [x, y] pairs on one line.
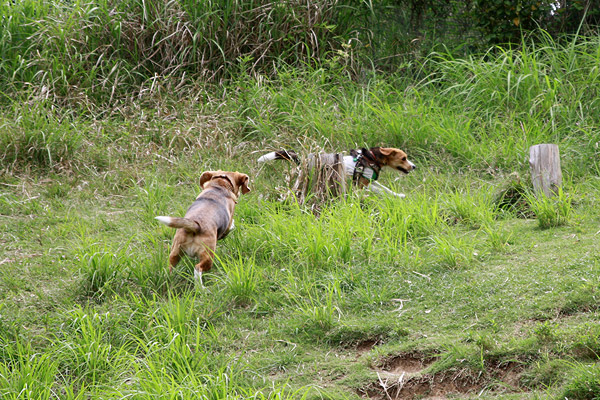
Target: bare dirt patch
{"points": [[402, 377], [365, 346], [408, 363]]}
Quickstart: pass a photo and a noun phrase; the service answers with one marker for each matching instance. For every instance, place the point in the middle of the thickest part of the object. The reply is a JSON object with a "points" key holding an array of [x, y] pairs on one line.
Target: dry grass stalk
{"points": [[320, 178]]}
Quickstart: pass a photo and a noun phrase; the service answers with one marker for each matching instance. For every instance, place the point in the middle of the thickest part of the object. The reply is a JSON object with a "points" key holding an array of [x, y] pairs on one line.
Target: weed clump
{"points": [[545, 373], [552, 211], [585, 383], [471, 209], [40, 139]]}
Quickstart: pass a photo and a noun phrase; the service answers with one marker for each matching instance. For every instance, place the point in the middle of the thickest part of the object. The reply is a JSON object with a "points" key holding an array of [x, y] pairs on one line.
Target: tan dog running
{"points": [[208, 219]]}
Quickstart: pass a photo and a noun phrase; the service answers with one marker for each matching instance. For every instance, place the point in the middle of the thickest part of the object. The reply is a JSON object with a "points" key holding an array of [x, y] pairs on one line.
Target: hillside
{"points": [[471, 286]]}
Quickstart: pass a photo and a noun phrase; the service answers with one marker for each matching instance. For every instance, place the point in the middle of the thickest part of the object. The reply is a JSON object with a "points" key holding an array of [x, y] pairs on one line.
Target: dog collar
{"points": [[232, 188]]}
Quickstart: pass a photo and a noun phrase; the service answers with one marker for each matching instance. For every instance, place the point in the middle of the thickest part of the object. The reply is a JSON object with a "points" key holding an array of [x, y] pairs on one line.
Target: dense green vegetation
{"points": [[470, 286]]}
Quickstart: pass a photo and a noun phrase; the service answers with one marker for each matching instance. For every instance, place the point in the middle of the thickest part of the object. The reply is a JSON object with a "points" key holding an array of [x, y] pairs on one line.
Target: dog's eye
{"points": [[403, 158]]}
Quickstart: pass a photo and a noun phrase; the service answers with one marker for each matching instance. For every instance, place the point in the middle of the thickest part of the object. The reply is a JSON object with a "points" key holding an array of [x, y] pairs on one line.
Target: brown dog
{"points": [[208, 219]]}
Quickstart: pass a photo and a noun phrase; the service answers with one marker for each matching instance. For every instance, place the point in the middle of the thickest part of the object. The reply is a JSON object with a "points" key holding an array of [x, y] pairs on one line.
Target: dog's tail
{"points": [[289, 155], [183, 223]]}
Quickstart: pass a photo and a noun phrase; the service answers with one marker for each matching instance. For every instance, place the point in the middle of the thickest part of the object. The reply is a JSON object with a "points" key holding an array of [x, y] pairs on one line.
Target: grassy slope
{"points": [[332, 302]]}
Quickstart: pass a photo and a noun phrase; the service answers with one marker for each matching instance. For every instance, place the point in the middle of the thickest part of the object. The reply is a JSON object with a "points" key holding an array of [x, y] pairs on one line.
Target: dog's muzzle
{"points": [[406, 171]]}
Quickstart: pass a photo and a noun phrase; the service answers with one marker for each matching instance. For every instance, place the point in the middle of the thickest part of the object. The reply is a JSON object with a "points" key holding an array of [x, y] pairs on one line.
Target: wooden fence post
{"points": [[544, 160]]}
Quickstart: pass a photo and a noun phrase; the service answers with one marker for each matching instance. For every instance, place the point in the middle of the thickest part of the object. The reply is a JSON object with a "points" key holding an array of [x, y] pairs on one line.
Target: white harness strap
{"points": [[350, 165], [368, 173]]}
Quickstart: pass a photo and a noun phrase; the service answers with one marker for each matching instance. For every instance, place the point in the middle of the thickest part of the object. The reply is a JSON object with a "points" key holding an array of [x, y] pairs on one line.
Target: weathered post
{"points": [[544, 160]]}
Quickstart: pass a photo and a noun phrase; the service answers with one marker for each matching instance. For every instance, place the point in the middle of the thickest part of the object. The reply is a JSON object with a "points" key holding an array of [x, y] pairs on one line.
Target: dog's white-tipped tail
{"points": [[180, 223], [267, 157], [164, 220]]}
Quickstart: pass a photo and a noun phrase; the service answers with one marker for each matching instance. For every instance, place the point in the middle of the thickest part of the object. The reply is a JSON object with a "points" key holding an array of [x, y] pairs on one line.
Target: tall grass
{"points": [[86, 357], [26, 374], [531, 89], [86, 353], [241, 280], [88, 52], [39, 138], [528, 81], [501, 104], [17, 31]]}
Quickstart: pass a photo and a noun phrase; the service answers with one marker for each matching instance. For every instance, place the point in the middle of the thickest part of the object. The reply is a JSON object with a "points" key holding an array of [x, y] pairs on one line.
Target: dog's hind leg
{"points": [[174, 258], [202, 266], [206, 260], [198, 278]]}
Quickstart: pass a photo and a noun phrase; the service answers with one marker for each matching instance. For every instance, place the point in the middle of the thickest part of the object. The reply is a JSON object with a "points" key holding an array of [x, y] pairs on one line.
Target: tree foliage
{"points": [[505, 21]]}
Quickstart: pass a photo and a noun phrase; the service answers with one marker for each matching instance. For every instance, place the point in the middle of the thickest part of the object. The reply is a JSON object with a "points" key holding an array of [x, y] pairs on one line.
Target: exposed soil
{"points": [[402, 377], [365, 346], [408, 363]]}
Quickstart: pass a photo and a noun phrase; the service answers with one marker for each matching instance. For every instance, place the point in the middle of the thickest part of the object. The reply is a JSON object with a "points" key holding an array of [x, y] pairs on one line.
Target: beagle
{"points": [[208, 219], [363, 165]]}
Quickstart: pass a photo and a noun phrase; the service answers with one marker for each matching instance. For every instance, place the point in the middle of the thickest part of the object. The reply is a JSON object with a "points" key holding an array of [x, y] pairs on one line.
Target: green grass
{"points": [[485, 284], [553, 211]]}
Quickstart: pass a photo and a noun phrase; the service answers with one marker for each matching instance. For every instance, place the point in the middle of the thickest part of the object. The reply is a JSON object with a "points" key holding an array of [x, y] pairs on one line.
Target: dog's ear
{"points": [[388, 151], [242, 181], [205, 177]]}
